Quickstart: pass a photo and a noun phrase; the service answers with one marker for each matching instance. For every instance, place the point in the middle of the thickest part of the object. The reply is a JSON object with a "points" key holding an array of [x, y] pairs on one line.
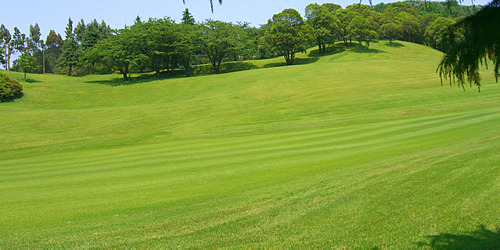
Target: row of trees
{"points": [[36, 55], [162, 44]]}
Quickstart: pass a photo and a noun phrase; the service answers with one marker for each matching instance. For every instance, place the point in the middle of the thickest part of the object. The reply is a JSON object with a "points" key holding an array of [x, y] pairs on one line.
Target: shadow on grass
{"points": [[198, 70], [330, 50], [225, 67], [31, 80], [12, 98], [298, 61], [482, 238], [365, 50], [120, 81], [394, 44]]}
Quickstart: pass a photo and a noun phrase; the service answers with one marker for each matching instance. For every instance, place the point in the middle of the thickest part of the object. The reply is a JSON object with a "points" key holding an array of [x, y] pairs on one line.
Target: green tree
{"points": [[391, 31], [332, 7], [217, 41], [91, 35], [288, 34], [410, 25], [80, 31], [371, 36], [27, 63], [6, 45], [4, 34], [118, 52], [434, 32], [104, 30], [35, 35], [345, 17], [2, 56], [187, 18], [18, 41], [324, 23], [187, 44], [54, 44], [70, 54], [360, 29], [154, 40]]}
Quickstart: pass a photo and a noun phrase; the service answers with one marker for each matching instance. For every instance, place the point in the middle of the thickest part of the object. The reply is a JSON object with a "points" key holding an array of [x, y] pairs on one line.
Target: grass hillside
{"points": [[359, 149]]}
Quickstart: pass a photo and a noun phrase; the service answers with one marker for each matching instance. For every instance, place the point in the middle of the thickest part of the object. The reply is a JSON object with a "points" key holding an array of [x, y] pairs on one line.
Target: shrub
{"points": [[9, 88]]}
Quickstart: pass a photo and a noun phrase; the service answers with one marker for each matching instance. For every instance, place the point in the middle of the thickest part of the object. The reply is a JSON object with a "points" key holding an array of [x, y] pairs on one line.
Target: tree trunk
{"points": [[157, 73], [70, 69], [186, 66], [55, 65], [214, 66], [218, 66], [43, 59], [290, 58]]}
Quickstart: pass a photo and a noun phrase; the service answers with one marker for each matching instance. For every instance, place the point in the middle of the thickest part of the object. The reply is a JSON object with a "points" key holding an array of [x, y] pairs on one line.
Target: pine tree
{"points": [[70, 53], [187, 18]]}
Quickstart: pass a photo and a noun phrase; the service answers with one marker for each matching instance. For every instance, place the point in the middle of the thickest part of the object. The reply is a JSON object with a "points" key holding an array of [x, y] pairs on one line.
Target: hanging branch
{"points": [[471, 43], [211, 4]]}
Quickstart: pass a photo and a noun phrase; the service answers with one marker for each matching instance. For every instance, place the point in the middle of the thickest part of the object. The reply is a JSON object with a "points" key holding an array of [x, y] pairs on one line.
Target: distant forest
{"points": [[162, 45]]}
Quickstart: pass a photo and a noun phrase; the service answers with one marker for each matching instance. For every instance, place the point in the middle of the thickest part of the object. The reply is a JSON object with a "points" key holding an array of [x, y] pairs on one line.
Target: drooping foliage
{"points": [[470, 43], [211, 3]]}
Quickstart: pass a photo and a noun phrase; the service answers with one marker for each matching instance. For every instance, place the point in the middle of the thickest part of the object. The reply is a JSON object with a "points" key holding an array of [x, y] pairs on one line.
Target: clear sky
{"points": [[54, 14]]}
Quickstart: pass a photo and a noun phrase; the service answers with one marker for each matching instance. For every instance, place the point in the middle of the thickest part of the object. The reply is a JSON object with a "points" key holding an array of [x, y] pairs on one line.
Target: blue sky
{"points": [[54, 14]]}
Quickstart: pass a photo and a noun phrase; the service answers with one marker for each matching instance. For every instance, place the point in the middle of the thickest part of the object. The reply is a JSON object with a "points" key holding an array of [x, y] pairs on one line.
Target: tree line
{"points": [[160, 44]]}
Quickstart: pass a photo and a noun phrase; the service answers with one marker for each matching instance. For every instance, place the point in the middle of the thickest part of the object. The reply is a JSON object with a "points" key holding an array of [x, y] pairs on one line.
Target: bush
{"points": [[9, 88]]}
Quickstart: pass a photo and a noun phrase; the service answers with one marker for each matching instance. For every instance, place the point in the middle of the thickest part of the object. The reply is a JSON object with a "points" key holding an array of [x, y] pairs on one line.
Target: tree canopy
{"points": [[288, 34]]}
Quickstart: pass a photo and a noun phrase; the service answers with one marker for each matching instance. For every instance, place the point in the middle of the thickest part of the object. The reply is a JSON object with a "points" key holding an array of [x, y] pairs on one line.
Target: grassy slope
{"points": [[355, 149]]}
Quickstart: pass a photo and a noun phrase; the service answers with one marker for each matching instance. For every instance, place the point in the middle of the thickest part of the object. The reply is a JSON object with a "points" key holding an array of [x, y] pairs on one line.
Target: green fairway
{"points": [[352, 149]]}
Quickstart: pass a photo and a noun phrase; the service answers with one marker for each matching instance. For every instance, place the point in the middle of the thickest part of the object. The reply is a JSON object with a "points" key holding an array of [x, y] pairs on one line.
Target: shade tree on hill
{"points": [[218, 40], [434, 32], [324, 23], [390, 31], [288, 33]]}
